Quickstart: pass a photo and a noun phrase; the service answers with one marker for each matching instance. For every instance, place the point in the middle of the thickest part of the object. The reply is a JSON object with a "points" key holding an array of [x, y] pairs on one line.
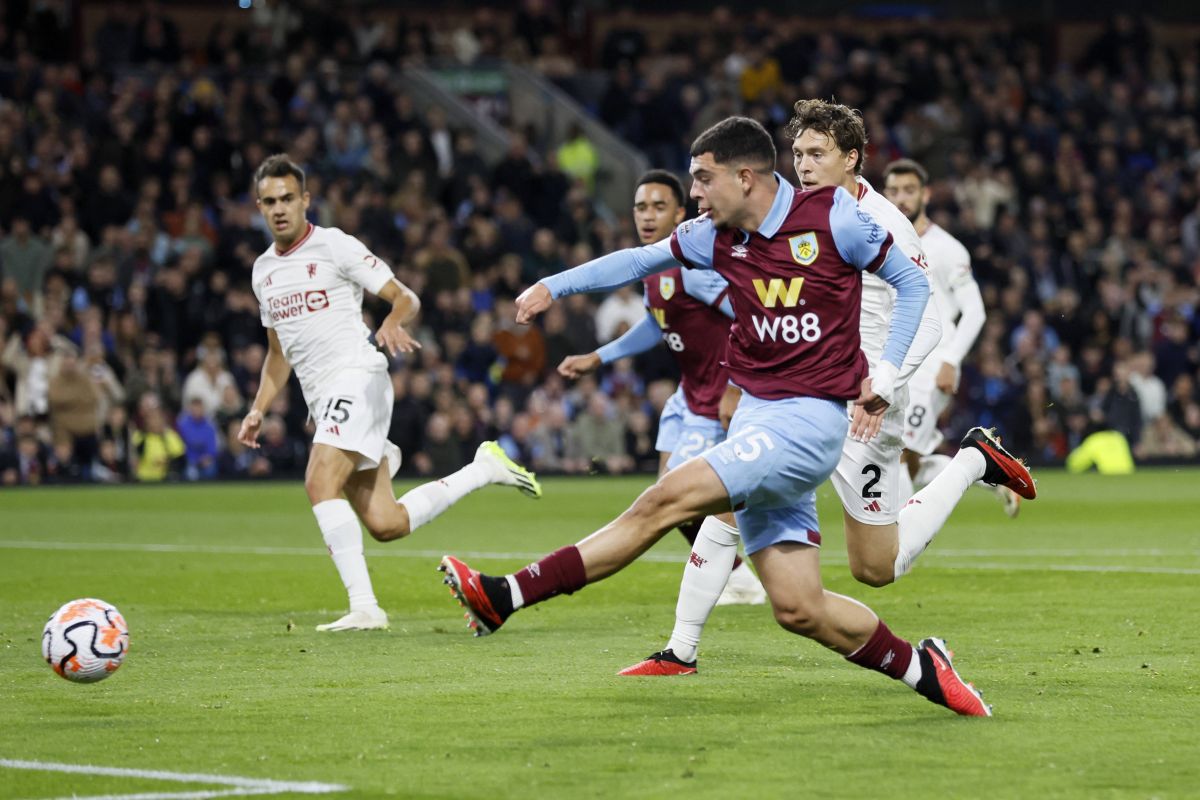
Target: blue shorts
{"points": [[684, 434], [776, 455]]}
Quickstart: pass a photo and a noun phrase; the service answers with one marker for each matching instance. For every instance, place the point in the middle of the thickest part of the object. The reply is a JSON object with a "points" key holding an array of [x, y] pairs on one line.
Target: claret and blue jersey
{"points": [[796, 291]]}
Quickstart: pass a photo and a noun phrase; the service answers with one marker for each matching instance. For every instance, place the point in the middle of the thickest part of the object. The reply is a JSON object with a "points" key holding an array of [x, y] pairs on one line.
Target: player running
{"points": [[882, 539], [793, 261], [906, 184], [309, 286], [689, 310]]}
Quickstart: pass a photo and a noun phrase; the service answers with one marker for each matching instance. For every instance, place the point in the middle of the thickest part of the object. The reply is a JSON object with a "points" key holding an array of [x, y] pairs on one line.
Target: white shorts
{"points": [[867, 478], [925, 405], [355, 415]]}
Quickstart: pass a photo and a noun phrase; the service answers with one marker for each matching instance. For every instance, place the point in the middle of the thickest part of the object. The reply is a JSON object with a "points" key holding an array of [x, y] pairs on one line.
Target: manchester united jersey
{"points": [[311, 295]]}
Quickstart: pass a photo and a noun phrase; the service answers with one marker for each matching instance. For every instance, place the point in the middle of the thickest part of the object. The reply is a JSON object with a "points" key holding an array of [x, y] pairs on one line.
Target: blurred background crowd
{"points": [[130, 342]]}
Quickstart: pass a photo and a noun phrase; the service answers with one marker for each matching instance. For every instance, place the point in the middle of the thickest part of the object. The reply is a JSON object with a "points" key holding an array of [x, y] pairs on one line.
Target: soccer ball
{"points": [[85, 640]]}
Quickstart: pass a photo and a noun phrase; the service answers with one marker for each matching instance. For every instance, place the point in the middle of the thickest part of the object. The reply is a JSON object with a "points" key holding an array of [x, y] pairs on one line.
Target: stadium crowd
{"points": [[130, 341]]}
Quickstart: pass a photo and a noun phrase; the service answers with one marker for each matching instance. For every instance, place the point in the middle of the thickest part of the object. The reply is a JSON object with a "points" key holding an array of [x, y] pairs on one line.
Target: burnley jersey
{"points": [[685, 305], [796, 291]]}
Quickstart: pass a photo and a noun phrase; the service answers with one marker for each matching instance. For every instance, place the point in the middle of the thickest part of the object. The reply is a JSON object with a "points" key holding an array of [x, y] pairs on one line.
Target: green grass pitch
{"points": [[1078, 620]]}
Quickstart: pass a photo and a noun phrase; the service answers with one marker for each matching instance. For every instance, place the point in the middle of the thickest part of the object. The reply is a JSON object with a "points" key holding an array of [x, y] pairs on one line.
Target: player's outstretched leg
{"points": [[932, 466], [687, 492], [426, 502], [981, 458]]}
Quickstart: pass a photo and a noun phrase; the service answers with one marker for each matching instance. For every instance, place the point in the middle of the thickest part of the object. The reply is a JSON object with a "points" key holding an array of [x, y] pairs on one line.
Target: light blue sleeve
{"points": [[611, 271], [861, 241], [709, 288], [638, 339], [912, 293], [692, 242]]}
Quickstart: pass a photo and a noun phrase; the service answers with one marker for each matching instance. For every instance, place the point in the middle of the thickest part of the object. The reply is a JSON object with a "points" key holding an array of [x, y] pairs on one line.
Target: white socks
{"points": [[927, 511], [931, 467], [339, 527], [912, 675], [704, 578], [427, 501]]}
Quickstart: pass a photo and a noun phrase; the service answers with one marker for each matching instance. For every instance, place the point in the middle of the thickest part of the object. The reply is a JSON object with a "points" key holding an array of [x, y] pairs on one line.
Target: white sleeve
{"points": [[970, 302], [928, 337], [264, 314], [360, 265]]}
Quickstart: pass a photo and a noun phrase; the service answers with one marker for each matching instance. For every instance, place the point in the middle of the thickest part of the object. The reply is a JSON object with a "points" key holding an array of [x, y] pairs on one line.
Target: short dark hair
{"points": [[279, 165], [839, 122], [737, 140], [667, 179], [906, 166]]}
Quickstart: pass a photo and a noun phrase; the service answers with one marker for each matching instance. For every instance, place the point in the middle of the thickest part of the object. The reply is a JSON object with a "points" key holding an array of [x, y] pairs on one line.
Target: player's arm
{"points": [[635, 341], [274, 376], [929, 335], [709, 288], [690, 245], [970, 323], [863, 243], [405, 304]]}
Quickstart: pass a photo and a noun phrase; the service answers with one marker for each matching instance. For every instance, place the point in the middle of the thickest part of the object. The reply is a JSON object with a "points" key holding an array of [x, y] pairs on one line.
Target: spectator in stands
{"points": [[199, 435], [209, 381], [596, 439], [158, 452], [25, 257], [74, 407]]}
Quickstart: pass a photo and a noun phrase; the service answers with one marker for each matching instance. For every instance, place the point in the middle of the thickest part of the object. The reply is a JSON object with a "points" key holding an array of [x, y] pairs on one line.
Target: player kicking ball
{"points": [[689, 310], [309, 286], [798, 365], [883, 534]]}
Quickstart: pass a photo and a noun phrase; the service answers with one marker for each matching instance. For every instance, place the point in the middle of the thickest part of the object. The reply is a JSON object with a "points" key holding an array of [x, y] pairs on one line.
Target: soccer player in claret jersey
{"points": [[883, 535], [906, 184], [309, 286], [689, 310], [798, 360]]}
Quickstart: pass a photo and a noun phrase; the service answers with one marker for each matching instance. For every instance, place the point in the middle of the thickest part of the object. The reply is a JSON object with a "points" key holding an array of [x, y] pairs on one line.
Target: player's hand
{"points": [[576, 366], [729, 404], [392, 337], [248, 434], [867, 418], [947, 378], [533, 301]]}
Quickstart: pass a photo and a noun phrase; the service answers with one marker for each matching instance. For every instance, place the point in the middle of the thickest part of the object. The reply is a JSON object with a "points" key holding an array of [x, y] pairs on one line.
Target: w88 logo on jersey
{"points": [[788, 328]]}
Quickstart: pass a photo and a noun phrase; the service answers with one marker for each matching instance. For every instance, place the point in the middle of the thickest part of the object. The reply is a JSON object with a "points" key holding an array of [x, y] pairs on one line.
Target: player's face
{"points": [[906, 194], [819, 162], [656, 212], [283, 206], [718, 189]]}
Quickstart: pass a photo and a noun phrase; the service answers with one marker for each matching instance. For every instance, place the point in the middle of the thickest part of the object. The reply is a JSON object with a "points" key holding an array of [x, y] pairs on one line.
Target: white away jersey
{"points": [[878, 297], [949, 272], [312, 296]]}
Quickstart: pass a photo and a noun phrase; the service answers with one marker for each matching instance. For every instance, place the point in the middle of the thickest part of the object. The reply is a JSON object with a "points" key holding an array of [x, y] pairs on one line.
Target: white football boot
{"points": [[375, 619]]}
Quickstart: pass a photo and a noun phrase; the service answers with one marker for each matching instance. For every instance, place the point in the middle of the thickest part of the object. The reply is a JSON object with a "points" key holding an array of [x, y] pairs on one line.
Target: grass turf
{"points": [[1077, 620]]}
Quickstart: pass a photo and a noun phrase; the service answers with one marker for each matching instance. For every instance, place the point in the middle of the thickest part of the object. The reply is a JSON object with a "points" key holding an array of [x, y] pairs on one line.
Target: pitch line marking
{"points": [[242, 786], [931, 560]]}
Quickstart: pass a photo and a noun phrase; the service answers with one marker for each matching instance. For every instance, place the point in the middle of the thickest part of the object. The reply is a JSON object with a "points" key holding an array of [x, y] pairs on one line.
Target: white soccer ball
{"points": [[85, 640]]}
